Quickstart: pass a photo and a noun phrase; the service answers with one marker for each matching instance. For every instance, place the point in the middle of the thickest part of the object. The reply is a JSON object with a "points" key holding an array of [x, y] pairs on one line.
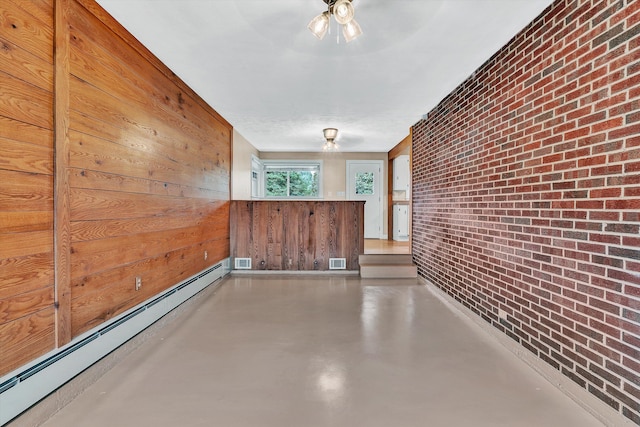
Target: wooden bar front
{"points": [[297, 235]]}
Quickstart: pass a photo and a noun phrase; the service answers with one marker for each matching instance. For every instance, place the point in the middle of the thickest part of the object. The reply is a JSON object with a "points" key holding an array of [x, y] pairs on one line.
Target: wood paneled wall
{"points": [[141, 181], [297, 235], [27, 315]]}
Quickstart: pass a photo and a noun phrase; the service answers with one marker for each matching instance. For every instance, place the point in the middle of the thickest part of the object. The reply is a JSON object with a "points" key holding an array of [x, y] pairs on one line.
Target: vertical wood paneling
{"points": [[292, 235], [26, 182], [141, 178], [62, 203]]}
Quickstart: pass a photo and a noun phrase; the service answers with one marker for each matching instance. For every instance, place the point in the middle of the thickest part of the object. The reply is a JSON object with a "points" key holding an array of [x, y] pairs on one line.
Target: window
{"points": [[364, 183], [292, 179]]}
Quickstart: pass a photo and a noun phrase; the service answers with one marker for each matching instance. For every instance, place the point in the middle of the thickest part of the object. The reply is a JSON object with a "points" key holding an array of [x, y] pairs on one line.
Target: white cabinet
{"points": [[402, 175], [400, 222]]}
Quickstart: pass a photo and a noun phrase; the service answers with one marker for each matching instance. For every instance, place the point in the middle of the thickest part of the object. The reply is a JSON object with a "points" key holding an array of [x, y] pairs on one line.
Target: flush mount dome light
{"points": [[330, 135], [343, 12]]}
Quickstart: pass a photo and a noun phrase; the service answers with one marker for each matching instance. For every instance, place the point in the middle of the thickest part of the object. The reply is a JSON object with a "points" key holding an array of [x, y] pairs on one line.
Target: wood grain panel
{"points": [[297, 235], [89, 204], [24, 274], [241, 227], [26, 181], [96, 255], [92, 230], [291, 242], [25, 132], [307, 230], [144, 55], [25, 66], [141, 178], [27, 31], [26, 103], [160, 271], [19, 156], [87, 179], [25, 303], [22, 244], [150, 136], [170, 109], [319, 252], [25, 192], [39, 9], [26, 338], [275, 235], [149, 173], [62, 249], [15, 222], [88, 152], [100, 300], [122, 57], [143, 132]]}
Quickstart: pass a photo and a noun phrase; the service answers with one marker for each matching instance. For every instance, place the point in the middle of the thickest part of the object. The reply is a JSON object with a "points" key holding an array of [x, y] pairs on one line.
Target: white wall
{"points": [[241, 167]]}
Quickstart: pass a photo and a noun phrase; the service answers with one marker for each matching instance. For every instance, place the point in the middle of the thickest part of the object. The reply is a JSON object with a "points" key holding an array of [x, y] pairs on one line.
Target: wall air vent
{"points": [[243, 264], [337, 263]]}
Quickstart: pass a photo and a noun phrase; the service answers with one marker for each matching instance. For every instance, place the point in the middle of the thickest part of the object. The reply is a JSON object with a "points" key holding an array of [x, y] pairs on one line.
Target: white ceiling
{"points": [[257, 64]]}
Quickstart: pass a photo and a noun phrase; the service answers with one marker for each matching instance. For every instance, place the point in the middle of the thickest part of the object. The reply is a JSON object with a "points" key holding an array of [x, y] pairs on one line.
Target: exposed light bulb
{"points": [[343, 11]]}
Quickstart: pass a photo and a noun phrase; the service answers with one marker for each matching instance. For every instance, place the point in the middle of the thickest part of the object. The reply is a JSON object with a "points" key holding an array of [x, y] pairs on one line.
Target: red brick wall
{"points": [[526, 188]]}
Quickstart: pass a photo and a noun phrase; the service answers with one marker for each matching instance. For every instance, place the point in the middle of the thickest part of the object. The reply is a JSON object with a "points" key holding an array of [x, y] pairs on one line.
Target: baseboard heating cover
{"points": [[22, 389]]}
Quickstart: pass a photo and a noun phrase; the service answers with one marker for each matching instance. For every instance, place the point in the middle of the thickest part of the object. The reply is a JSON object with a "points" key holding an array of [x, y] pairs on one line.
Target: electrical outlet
{"points": [[206, 255], [138, 283], [502, 314]]}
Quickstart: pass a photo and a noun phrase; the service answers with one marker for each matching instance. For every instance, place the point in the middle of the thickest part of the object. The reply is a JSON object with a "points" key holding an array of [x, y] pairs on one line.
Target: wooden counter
{"points": [[297, 235]]}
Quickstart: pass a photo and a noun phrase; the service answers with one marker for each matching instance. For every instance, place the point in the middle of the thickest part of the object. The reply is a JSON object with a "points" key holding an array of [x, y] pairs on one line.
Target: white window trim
{"points": [[285, 164], [256, 168]]}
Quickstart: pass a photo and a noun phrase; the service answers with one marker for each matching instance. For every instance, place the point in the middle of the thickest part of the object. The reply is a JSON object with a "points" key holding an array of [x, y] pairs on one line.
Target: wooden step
{"points": [[387, 266], [388, 271], [385, 259], [408, 281]]}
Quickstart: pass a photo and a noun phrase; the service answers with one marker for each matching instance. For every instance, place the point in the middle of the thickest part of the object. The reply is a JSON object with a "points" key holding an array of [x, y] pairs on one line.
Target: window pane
{"points": [[303, 184], [291, 179], [276, 183], [364, 183]]}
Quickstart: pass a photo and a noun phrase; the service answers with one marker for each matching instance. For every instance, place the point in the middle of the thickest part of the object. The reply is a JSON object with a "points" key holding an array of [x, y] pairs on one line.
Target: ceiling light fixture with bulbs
{"points": [[330, 135], [343, 13]]}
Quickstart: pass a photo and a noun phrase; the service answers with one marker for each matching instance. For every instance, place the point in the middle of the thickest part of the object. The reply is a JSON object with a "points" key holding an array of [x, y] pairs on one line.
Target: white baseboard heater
{"points": [[19, 391]]}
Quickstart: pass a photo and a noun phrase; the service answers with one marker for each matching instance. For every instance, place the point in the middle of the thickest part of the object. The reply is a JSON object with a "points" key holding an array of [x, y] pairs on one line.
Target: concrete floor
{"points": [[321, 351]]}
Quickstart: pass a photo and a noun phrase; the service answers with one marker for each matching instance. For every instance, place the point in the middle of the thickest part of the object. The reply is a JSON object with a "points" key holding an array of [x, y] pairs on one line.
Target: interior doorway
{"points": [[364, 182]]}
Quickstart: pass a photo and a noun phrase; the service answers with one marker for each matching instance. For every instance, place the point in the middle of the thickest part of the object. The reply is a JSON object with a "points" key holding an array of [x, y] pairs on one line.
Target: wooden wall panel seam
{"points": [[62, 230]]}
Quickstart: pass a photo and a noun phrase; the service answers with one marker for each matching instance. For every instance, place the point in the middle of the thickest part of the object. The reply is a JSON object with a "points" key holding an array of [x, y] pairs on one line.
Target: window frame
{"points": [[291, 166]]}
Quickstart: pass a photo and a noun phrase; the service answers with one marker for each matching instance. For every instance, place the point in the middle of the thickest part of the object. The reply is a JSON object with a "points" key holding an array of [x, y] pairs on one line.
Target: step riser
{"points": [[385, 259], [388, 271]]}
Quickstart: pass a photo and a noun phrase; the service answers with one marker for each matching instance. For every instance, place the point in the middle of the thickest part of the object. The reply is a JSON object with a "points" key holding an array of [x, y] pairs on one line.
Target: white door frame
{"points": [[348, 186]]}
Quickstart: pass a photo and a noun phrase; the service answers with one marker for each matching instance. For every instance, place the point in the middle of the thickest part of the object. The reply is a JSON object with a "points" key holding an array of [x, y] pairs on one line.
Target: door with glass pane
{"points": [[364, 182]]}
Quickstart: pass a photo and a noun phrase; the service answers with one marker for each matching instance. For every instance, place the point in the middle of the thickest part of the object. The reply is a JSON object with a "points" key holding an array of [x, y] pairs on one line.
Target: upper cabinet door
{"points": [[401, 181]]}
